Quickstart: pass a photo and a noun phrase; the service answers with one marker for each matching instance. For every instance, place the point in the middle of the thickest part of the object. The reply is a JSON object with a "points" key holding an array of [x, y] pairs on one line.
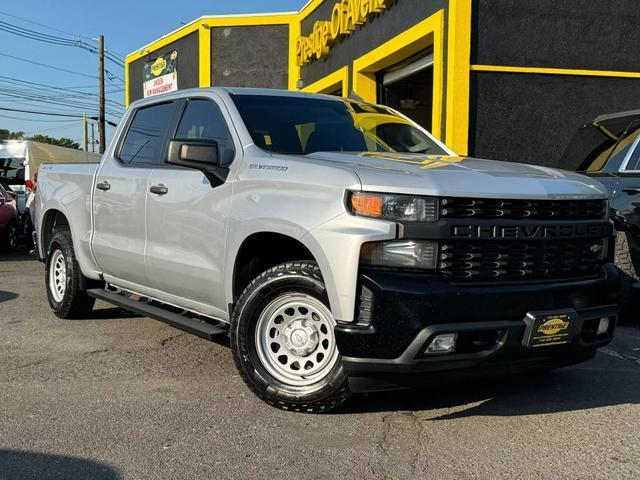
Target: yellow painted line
{"points": [[555, 71]]}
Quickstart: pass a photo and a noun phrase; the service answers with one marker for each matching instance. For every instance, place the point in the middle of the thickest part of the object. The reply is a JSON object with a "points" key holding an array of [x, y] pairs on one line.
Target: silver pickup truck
{"points": [[340, 245]]}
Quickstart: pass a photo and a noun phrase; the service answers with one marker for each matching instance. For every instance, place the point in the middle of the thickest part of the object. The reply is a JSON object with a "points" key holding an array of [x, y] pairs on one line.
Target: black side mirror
{"points": [[202, 155]]}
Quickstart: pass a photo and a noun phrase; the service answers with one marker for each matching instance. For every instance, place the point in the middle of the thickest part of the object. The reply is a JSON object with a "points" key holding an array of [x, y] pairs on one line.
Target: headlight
{"points": [[399, 208], [400, 254]]}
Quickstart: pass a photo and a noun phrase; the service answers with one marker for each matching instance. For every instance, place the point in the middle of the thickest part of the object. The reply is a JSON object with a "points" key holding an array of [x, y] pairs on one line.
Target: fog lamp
{"points": [[442, 344], [603, 326]]}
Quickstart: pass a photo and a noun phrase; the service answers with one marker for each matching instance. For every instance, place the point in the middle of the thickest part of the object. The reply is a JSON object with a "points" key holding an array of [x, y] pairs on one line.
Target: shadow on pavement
{"points": [[6, 296], [21, 465], [17, 256], [113, 313], [529, 394]]}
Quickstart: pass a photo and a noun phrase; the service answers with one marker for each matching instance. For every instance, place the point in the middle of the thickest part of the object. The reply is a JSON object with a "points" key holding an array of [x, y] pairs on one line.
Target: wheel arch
{"points": [[51, 219], [262, 250]]}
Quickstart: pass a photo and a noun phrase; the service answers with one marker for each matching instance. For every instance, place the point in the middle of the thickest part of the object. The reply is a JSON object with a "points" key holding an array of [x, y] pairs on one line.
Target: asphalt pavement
{"points": [[120, 396]]}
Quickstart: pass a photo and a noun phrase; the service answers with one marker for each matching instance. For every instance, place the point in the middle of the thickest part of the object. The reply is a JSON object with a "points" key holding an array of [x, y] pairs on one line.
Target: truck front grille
{"points": [[502, 261], [451, 207]]}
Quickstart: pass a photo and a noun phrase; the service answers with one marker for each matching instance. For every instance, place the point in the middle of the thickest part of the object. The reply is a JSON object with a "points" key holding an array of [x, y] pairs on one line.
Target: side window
{"points": [[144, 140], [623, 150], [202, 120]]}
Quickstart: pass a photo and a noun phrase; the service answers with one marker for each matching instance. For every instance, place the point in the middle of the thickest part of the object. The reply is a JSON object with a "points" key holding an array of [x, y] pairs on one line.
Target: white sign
{"points": [[161, 75]]}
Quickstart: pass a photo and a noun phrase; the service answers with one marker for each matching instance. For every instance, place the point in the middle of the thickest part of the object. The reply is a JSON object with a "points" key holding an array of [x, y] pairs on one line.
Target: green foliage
{"points": [[61, 142], [8, 135]]}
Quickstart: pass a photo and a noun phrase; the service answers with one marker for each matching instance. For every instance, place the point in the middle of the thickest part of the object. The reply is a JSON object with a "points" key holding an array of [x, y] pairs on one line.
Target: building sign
{"points": [[345, 16], [161, 75]]}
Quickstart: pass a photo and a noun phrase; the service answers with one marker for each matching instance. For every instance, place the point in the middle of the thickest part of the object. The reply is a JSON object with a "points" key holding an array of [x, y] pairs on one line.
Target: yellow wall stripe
{"points": [[458, 76], [338, 79], [429, 32], [204, 78], [555, 71]]}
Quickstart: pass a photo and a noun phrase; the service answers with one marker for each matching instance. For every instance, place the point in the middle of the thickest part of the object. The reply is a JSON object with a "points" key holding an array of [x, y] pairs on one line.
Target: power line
{"points": [[47, 66], [51, 93], [39, 120], [54, 114], [36, 23], [20, 82], [55, 40], [44, 99]]}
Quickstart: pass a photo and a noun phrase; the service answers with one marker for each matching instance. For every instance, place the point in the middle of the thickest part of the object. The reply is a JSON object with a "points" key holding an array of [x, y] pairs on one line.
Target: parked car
{"points": [[341, 246], [608, 148], [8, 219], [19, 163]]}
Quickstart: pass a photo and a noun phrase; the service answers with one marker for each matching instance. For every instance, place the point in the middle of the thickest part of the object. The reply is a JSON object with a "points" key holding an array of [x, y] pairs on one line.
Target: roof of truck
{"points": [[629, 114]]}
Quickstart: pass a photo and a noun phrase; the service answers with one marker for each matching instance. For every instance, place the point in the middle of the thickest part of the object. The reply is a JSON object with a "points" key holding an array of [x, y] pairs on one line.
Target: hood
{"points": [[438, 175]]}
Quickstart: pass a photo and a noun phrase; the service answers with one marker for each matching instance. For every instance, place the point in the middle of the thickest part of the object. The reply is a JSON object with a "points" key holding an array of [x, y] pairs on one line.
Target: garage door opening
{"points": [[408, 88]]}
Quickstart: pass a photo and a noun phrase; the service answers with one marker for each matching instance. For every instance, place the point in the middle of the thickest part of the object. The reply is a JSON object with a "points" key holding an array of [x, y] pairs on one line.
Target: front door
{"points": [[186, 219], [119, 204], [627, 199]]}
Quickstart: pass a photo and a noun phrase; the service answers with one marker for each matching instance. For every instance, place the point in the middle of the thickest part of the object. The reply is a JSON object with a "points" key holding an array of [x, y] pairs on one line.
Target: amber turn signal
{"points": [[366, 204]]}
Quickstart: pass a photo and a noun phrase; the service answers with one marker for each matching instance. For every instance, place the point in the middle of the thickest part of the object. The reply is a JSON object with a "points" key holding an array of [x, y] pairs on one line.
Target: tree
{"points": [[61, 142], [8, 135]]}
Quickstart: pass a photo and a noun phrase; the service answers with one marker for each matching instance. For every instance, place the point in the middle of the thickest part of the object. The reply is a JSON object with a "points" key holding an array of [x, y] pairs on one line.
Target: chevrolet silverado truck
{"points": [[339, 245]]}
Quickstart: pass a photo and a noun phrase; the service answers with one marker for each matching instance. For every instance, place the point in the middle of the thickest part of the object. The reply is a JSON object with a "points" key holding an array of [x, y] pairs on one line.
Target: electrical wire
{"points": [[55, 114], [47, 66], [57, 40]]}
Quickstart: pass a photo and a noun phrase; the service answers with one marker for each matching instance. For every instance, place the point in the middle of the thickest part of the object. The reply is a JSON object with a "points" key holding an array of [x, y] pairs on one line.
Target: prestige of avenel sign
{"points": [[345, 16]]}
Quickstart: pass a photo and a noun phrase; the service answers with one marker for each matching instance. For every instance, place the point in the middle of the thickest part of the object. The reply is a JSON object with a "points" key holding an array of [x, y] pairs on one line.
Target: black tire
{"points": [[301, 277], [10, 242], [624, 258], [74, 303]]}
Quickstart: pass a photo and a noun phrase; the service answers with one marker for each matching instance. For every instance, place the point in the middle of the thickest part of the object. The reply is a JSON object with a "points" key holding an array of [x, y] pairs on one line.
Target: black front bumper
{"points": [[404, 312]]}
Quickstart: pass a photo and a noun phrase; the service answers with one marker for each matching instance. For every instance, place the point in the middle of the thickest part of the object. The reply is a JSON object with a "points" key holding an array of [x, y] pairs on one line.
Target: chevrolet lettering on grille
{"points": [[530, 232]]}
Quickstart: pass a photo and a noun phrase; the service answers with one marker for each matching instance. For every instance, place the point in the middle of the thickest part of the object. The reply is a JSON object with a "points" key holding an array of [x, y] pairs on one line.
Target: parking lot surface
{"points": [[120, 396]]}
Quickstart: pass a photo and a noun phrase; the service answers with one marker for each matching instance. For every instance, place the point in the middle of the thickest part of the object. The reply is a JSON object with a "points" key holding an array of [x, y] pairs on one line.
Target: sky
{"points": [[126, 25]]}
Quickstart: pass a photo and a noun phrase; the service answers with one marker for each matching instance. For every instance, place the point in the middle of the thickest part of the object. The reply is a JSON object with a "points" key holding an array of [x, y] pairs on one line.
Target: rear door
{"points": [[186, 224], [119, 205]]}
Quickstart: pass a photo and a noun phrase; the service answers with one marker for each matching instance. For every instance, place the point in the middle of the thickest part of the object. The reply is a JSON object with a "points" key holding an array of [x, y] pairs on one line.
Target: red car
{"points": [[8, 220]]}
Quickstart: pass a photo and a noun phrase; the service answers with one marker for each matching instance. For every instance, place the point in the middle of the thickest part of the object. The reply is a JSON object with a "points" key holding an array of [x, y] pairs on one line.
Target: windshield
{"points": [[300, 126]]}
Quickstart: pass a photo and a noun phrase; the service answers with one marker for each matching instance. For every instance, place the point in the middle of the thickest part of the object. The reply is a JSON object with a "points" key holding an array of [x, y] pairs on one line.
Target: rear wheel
{"points": [[63, 279], [11, 240], [283, 340]]}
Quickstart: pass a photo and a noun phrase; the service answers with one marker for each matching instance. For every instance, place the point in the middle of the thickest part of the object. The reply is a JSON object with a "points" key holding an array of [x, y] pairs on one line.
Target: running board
{"points": [[191, 325]]}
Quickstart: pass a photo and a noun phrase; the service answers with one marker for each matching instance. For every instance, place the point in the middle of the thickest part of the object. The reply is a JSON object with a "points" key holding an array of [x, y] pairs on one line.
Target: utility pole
{"points": [[93, 139], [101, 119], [84, 130]]}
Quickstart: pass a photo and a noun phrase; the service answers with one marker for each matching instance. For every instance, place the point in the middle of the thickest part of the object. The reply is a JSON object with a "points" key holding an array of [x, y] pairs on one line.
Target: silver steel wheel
{"points": [[57, 275], [295, 340]]}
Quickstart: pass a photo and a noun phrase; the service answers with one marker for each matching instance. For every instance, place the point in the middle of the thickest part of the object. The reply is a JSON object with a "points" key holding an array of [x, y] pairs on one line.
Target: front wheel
{"points": [[283, 342], [63, 279]]}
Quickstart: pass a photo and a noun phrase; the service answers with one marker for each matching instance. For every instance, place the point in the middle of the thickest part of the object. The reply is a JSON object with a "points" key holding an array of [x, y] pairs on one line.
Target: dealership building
{"points": [[503, 79]]}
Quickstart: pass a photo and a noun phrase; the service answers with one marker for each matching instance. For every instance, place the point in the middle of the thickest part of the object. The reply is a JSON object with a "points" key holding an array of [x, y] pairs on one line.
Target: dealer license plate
{"points": [[547, 329]]}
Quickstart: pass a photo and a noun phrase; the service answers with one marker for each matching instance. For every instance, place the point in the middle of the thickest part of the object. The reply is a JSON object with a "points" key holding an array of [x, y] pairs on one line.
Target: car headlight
{"points": [[400, 254], [398, 208]]}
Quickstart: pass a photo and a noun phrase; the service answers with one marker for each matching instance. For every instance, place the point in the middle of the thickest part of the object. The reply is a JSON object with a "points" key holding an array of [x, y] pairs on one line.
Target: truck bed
{"points": [[67, 189]]}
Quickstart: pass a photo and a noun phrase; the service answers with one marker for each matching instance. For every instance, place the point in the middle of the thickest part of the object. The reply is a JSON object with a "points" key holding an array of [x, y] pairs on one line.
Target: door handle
{"points": [[159, 189], [631, 190], [104, 186]]}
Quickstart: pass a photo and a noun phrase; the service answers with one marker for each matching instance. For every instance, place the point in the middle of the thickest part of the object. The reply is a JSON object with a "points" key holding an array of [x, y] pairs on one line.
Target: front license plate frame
{"points": [[550, 329]]}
